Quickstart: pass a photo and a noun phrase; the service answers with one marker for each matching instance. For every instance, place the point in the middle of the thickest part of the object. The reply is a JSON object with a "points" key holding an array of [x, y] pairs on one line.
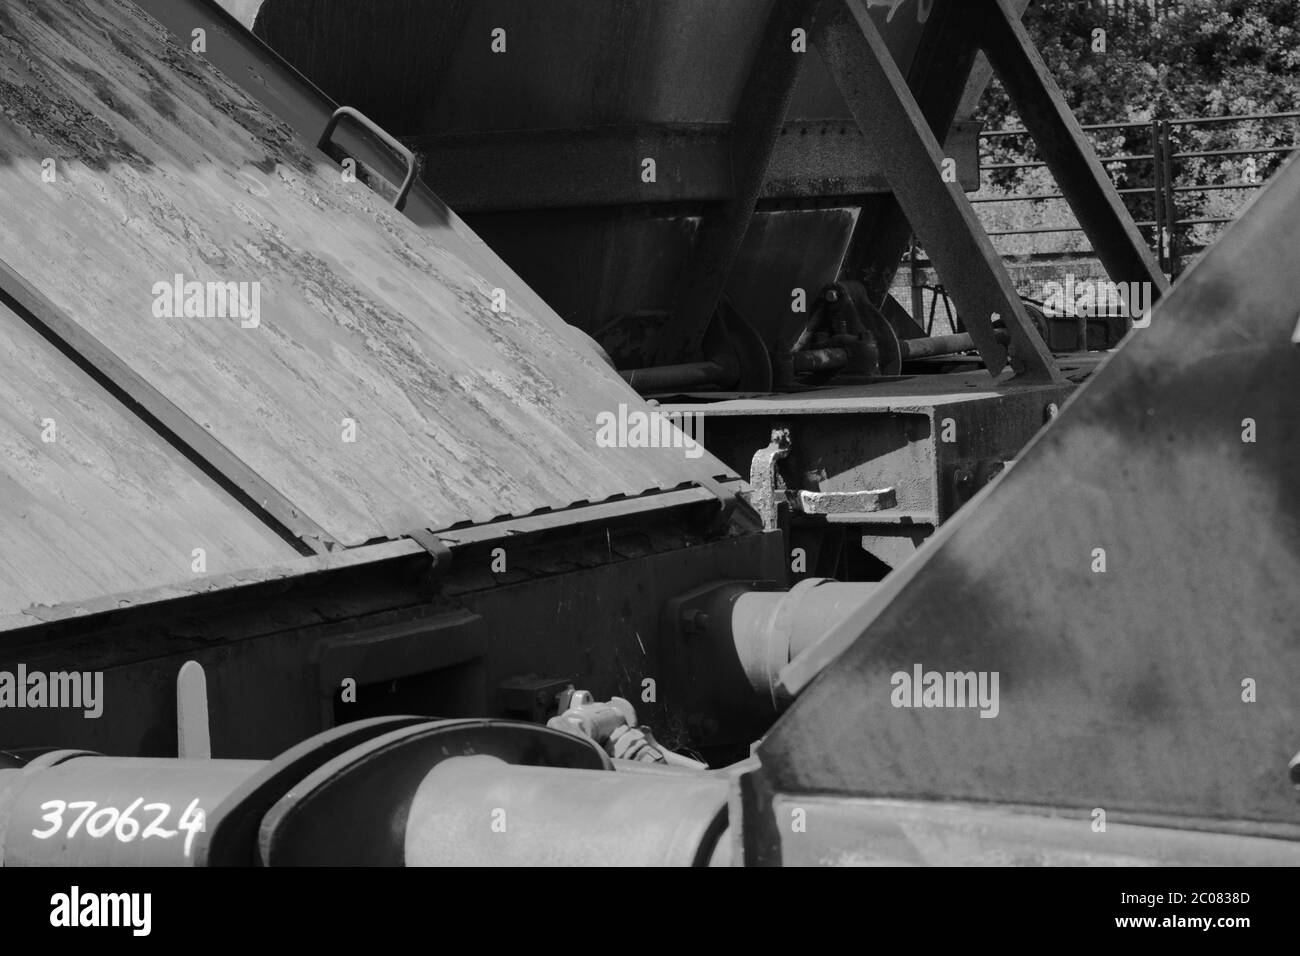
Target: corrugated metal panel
{"points": [[165, 168], [104, 506]]}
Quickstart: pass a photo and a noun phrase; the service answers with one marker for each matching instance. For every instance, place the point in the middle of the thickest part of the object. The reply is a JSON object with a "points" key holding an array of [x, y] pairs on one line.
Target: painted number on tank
{"points": [[122, 824]]}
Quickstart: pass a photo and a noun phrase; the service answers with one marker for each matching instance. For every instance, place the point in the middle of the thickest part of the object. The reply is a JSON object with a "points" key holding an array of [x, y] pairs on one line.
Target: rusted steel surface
{"points": [[161, 415], [853, 832], [105, 505], [166, 168], [1131, 579]]}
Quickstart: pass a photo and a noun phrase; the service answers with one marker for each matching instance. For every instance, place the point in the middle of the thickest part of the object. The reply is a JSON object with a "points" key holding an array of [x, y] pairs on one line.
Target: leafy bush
{"points": [[1162, 60]]}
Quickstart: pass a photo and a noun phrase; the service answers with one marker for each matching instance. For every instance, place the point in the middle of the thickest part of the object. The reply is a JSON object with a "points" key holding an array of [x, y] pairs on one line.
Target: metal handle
{"points": [[388, 140]]}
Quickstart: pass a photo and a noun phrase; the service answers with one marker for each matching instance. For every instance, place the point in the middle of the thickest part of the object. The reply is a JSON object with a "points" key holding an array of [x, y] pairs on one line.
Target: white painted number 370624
{"points": [[122, 824]]}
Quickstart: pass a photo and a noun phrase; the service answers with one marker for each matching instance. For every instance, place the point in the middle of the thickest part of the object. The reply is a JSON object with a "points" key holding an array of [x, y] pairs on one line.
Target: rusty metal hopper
{"points": [[469, 399]]}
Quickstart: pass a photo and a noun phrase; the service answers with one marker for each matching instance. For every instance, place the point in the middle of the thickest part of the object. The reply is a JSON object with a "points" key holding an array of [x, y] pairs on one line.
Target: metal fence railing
{"points": [[1158, 182], [1137, 10]]}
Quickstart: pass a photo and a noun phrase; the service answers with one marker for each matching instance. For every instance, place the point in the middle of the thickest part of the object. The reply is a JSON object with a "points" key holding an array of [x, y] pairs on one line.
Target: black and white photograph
{"points": [[533, 434]]}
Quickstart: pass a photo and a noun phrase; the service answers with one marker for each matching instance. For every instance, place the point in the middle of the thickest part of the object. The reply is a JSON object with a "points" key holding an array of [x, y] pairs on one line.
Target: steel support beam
{"points": [[527, 170], [942, 216], [948, 78], [763, 106], [1061, 141]]}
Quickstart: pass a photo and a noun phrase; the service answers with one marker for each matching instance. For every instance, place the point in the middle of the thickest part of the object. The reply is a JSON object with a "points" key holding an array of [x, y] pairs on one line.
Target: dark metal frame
{"points": [[900, 135]]}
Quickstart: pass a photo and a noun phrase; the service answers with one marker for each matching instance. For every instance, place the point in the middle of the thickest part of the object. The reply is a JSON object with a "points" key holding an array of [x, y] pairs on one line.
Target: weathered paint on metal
{"points": [[113, 811], [165, 168], [105, 505], [160, 414], [1131, 579], [855, 832]]}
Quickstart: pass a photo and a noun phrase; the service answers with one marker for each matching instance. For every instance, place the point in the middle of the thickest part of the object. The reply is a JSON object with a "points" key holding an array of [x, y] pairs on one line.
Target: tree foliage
{"points": [[1164, 60]]}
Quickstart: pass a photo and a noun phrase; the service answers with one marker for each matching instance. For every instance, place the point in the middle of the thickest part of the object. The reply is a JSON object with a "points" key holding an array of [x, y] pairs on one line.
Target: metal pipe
{"points": [[663, 378], [480, 811], [772, 628], [937, 345]]}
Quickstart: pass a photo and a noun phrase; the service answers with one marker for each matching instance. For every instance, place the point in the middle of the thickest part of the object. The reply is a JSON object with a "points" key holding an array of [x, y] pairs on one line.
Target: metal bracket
{"points": [[768, 491], [726, 503], [439, 553], [767, 488], [383, 136]]}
